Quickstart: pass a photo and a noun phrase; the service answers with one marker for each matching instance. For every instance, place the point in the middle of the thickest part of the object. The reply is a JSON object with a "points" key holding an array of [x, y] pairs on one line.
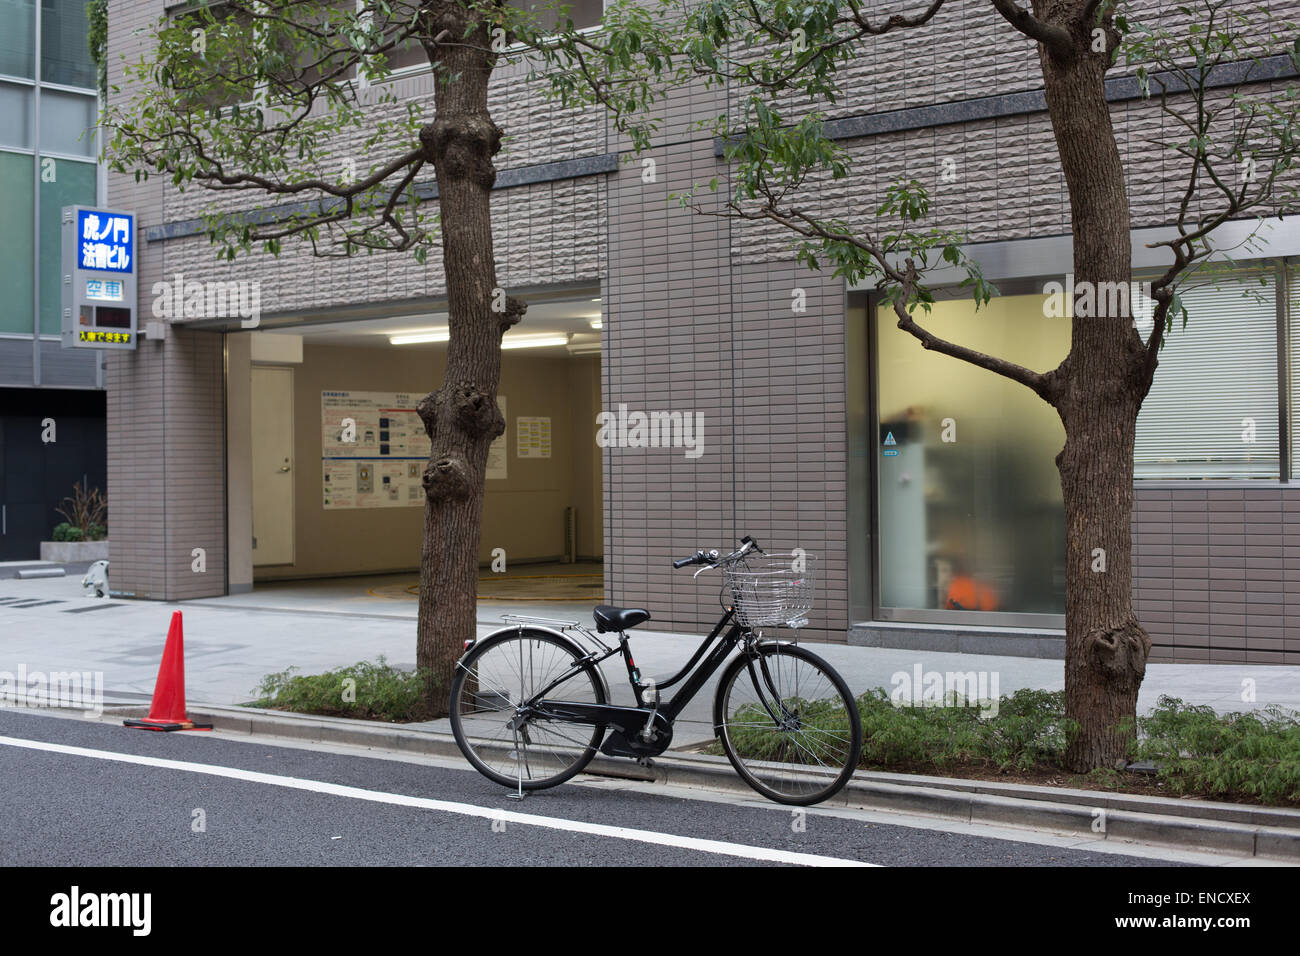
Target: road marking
{"points": [[446, 806]]}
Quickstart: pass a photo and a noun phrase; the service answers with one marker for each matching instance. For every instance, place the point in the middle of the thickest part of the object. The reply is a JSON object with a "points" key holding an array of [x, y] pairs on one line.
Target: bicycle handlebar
{"points": [[711, 557]]}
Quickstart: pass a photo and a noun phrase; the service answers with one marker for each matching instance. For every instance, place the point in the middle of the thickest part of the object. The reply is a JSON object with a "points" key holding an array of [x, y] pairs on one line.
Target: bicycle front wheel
{"points": [[788, 723], [492, 684]]}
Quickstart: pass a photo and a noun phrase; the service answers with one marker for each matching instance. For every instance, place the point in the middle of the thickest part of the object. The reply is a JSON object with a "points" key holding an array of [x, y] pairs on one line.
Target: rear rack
{"points": [[522, 619], [528, 619]]}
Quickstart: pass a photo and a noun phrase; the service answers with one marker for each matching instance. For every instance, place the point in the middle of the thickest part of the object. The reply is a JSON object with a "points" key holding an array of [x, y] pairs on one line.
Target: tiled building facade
{"points": [[697, 316]]}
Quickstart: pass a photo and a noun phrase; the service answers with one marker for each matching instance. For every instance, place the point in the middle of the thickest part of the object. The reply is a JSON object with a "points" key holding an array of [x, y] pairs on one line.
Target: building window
{"points": [[68, 123], [16, 188], [411, 56], [66, 182], [18, 38], [65, 54], [969, 515], [583, 13], [15, 115], [1292, 305], [1213, 408]]}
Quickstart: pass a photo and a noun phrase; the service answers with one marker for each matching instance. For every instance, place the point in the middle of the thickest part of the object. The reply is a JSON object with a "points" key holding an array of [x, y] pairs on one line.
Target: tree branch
{"points": [[1055, 38]]}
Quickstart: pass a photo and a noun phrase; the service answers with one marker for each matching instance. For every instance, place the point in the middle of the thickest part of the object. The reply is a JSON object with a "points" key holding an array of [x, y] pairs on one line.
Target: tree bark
{"points": [[462, 417], [1102, 388]]}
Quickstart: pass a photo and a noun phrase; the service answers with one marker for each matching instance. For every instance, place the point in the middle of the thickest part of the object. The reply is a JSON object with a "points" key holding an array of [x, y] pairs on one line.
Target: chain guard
{"points": [[629, 743]]}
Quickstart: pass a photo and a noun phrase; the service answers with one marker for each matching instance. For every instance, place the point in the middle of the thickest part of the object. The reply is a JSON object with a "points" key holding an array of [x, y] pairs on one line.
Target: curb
{"points": [[1264, 832]]}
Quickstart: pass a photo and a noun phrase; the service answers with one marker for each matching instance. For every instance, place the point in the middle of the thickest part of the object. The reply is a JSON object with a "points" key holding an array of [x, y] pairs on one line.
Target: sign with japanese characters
{"points": [[99, 278], [374, 449], [105, 241]]}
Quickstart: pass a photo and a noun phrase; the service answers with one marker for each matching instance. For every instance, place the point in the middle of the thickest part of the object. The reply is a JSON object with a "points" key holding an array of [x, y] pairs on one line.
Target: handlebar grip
{"points": [[683, 562]]}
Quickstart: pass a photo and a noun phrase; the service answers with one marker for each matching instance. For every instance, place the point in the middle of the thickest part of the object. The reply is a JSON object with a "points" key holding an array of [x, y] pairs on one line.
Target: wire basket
{"points": [[772, 590]]}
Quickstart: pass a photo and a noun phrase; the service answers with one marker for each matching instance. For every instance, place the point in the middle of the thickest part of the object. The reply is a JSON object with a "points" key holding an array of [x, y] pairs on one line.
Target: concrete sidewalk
{"points": [[232, 643]]}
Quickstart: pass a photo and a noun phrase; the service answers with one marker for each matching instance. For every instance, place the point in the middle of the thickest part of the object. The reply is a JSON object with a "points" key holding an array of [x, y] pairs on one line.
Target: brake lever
{"points": [[707, 567]]}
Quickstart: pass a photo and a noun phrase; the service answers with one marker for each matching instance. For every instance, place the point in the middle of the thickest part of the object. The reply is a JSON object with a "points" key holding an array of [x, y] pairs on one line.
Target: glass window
{"points": [[970, 516], [64, 182], [15, 115], [65, 52], [584, 13], [68, 123], [16, 189], [1293, 323], [18, 38], [1212, 409]]}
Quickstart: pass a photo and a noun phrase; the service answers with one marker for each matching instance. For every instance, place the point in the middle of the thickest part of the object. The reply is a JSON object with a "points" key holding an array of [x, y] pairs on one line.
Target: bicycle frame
{"points": [[632, 719]]}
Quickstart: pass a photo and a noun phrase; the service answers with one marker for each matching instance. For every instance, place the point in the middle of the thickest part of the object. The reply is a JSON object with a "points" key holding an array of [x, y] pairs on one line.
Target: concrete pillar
{"points": [[166, 468], [239, 455]]}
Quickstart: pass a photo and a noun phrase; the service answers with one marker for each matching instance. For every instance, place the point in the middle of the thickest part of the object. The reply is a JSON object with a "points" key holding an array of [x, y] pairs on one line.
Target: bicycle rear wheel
{"points": [[788, 723], [494, 679]]}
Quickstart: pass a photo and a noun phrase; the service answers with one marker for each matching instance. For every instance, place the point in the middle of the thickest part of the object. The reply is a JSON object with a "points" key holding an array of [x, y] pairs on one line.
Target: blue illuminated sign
{"points": [[105, 241]]}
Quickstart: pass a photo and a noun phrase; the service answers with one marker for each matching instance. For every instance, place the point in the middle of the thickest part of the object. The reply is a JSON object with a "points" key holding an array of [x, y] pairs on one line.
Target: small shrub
{"points": [[1030, 730], [1253, 755], [96, 532], [84, 510], [900, 737], [67, 532], [379, 692]]}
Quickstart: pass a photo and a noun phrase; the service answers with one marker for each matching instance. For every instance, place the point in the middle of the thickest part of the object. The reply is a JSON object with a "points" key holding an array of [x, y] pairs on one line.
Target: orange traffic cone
{"points": [[167, 712]]}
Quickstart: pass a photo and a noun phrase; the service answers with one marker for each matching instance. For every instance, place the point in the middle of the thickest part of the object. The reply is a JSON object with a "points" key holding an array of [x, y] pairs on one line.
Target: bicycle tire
{"points": [[751, 741], [498, 758]]}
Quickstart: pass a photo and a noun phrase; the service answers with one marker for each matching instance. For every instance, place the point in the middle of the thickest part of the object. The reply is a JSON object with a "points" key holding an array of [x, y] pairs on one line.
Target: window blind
{"points": [[1213, 408]]}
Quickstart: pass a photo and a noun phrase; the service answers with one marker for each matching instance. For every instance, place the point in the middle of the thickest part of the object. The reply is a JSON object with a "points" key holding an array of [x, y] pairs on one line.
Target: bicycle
{"points": [[530, 706]]}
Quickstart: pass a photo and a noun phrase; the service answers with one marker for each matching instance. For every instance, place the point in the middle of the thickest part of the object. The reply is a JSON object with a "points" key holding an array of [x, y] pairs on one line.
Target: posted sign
{"points": [[99, 277]]}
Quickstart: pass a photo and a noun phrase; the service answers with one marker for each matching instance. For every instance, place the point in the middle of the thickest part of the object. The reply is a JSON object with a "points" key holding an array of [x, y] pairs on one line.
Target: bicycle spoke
{"points": [[492, 713], [806, 752]]}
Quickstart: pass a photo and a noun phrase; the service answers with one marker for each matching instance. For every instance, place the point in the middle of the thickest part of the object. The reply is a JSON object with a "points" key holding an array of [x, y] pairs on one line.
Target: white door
{"points": [[272, 465]]}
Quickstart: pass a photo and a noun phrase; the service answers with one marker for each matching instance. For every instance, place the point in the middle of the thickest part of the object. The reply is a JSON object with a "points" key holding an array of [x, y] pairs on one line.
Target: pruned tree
{"points": [[1209, 76], [254, 100]]}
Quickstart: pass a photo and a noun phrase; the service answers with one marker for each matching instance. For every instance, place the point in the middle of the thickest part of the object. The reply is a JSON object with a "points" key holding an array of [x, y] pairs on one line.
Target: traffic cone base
{"points": [[167, 711], [144, 723]]}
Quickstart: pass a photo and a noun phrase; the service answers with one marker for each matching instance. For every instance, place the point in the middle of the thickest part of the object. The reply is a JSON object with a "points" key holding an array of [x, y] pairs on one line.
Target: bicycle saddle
{"points": [[618, 618]]}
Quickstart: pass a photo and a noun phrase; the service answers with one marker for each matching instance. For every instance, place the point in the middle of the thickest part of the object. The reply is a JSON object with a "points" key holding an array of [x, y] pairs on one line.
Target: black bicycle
{"points": [[530, 706]]}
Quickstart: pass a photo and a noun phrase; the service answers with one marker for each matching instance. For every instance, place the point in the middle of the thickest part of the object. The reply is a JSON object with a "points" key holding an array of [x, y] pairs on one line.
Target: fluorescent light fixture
{"points": [[417, 338], [585, 348], [597, 323], [509, 342], [595, 300], [533, 341]]}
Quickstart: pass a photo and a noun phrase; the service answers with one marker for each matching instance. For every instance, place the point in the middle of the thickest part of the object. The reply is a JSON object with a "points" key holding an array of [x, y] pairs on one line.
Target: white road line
{"points": [[465, 809]]}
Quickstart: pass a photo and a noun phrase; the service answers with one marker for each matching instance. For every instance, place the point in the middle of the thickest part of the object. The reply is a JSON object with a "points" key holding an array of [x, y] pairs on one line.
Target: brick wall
{"points": [[166, 466], [1213, 562]]}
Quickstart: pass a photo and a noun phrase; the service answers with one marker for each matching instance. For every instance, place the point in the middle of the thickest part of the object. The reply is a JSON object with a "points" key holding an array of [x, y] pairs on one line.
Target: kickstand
{"points": [[519, 766]]}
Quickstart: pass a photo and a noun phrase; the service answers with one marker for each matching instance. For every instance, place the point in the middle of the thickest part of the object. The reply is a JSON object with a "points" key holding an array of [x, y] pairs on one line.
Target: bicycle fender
{"points": [[549, 632]]}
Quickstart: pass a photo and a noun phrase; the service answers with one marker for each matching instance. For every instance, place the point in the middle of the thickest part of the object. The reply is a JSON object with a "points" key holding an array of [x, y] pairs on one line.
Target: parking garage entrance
{"points": [[325, 443]]}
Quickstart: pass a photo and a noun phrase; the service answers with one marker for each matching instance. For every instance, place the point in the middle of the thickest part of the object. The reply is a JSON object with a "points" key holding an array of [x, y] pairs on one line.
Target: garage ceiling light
{"points": [[416, 338], [509, 342], [533, 341]]}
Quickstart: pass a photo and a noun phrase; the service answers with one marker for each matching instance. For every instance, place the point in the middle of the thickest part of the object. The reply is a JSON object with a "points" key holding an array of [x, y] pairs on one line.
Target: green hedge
{"points": [[378, 691]]}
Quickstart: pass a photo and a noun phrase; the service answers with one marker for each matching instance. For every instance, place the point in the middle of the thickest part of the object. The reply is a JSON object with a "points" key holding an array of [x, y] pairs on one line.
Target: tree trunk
{"points": [[462, 417], [1101, 392]]}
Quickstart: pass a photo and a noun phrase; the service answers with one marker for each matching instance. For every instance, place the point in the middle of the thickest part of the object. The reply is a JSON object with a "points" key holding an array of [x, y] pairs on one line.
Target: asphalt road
{"points": [[262, 805]]}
